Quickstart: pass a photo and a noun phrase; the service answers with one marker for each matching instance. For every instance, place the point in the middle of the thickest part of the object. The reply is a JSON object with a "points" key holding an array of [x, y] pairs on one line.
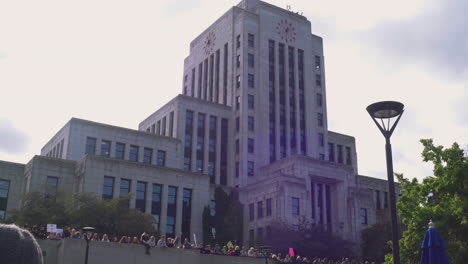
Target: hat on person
{"points": [[18, 246]]}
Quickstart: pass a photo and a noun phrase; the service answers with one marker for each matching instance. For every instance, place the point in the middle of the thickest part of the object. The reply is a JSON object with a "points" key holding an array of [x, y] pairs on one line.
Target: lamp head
{"points": [[385, 109]]}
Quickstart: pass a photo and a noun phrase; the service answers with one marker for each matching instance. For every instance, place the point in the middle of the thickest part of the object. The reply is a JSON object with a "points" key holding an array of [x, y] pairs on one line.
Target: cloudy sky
{"points": [[116, 61]]}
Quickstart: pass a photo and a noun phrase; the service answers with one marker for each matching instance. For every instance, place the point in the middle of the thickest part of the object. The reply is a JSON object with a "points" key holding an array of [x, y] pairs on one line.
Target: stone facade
{"points": [[251, 118]]}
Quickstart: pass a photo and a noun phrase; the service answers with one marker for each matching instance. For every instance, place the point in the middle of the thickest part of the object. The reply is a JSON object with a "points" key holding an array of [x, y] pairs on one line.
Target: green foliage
{"points": [[113, 217], [307, 240], [443, 198], [227, 220], [374, 241]]}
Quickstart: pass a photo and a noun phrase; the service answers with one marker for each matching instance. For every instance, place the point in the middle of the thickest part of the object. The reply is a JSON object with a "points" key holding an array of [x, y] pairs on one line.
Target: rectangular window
{"points": [[260, 209], [268, 207], [171, 211], [237, 169], [238, 41], [212, 208], [108, 188], [251, 80], [156, 202], [161, 158], [210, 94], [200, 80], [320, 203], [90, 146], [250, 60], [125, 186], [188, 140], [321, 140], [224, 151], [212, 148], [319, 99], [186, 213], [225, 77], [238, 61], [238, 81], [331, 152], [250, 168], [205, 79], [141, 196], [200, 142], [193, 83], [272, 100], [320, 119], [295, 206], [377, 200], [348, 156], [119, 150], [4, 191], [147, 155], [363, 216], [237, 146], [163, 127], [216, 91], [251, 236], [321, 156], [251, 40], [133, 155], [260, 233], [385, 197], [237, 124], [250, 145], [318, 80], [251, 212], [51, 186], [339, 149], [317, 62], [250, 101], [237, 102], [250, 123], [158, 128], [328, 206], [171, 123], [105, 148]]}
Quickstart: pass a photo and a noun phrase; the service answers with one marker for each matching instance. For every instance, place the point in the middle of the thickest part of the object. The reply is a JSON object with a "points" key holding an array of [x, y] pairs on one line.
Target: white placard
{"points": [[51, 228]]}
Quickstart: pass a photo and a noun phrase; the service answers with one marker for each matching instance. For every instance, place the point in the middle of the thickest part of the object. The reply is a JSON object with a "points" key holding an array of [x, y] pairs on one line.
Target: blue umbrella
{"points": [[433, 247]]}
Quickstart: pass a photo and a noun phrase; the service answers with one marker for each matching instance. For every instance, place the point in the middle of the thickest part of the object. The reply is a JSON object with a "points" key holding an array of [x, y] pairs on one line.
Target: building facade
{"points": [[251, 118]]}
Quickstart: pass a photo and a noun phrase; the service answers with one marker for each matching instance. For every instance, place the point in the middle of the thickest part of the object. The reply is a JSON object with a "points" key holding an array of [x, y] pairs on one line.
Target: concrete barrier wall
{"points": [[72, 251]]}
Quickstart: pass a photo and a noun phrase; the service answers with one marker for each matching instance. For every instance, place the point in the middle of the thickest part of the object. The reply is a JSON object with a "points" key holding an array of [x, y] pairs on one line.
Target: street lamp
{"points": [[88, 234], [387, 111]]}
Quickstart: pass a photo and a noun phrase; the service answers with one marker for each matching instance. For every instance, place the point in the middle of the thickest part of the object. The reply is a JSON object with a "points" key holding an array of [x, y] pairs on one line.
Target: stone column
{"points": [[178, 222], [162, 217]]}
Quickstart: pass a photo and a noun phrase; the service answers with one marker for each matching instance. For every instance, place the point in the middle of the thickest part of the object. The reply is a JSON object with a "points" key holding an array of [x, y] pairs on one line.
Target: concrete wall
{"points": [[13, 173], [72, 251]]}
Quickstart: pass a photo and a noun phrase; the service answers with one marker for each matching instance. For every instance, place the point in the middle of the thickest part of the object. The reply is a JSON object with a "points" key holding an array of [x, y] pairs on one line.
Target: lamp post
{"points": [[88, 230], [385, 111], [266, 252]]}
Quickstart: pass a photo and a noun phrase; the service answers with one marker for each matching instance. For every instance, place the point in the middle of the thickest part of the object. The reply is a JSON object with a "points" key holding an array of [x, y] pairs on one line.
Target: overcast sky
{"points": [[116, 62]]}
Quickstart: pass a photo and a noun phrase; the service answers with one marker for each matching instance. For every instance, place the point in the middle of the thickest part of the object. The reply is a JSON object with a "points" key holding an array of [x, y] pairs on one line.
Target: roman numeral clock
{"points": [[286, 31], [209, 43]]}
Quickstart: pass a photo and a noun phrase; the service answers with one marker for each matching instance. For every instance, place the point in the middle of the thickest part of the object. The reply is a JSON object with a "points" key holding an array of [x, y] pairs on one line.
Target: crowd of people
{"points": [[149, 241]]}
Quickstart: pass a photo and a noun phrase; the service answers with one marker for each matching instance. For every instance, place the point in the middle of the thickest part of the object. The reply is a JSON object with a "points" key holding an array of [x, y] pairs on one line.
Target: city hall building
{"points": [[252, 118]]}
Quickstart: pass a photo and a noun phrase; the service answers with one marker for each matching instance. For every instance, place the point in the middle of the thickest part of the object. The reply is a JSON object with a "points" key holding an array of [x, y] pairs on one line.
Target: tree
{"points": [[227, 220], [374, 243], [113, 216], [442, 199], [307, 240]]}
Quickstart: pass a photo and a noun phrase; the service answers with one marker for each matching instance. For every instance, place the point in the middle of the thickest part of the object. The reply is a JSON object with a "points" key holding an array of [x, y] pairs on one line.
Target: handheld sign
{"points": [[291, 252]]}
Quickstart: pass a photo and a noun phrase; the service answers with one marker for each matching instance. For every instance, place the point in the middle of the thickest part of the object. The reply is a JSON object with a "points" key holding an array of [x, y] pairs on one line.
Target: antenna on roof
{"points": [[288, 7]]}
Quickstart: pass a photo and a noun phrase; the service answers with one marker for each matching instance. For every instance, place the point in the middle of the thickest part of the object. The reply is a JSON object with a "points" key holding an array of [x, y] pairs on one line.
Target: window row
{"points": [[57, 150], [4, 191], [155, 195], [261, 209], [250, 41], [121, 149], [159, 128], [378, 201], [338, 156]]}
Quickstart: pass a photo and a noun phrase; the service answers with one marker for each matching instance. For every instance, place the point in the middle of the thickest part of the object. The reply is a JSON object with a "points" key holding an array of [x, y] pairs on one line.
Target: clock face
{"points": [[286, 31], [209, 43]]}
